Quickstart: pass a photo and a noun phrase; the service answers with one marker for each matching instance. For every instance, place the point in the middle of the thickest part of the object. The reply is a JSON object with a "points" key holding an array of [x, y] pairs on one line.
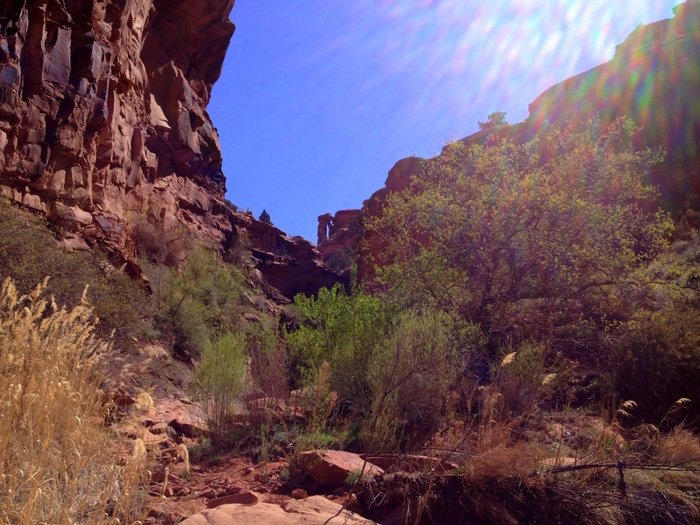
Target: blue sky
{"points": [[319, 98]]}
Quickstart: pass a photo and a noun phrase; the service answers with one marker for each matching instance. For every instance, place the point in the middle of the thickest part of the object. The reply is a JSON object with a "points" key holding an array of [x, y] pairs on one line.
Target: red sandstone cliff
{"points": [[103, 124], [102, 110]]}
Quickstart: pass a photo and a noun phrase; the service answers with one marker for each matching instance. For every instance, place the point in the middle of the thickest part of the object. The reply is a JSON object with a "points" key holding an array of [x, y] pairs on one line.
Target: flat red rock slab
{"points": [[410, 463]]}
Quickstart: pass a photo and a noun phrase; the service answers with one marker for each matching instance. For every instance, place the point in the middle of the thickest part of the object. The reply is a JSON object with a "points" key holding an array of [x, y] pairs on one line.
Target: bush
{"points": [[159, 245], [530, 377], [269, 361], [343, 330], [410, 378], [218, 385], [388, 371], [58, 463], [658, 361], [198, 303]]}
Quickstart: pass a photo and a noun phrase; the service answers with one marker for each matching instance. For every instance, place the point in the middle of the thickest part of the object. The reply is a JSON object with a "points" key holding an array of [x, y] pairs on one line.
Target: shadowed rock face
{"points": [[102, 108], [654, 79]]}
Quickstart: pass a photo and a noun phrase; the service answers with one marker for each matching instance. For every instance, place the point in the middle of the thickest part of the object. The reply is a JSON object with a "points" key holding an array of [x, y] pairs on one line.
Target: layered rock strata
{"points": [[102, 110]]}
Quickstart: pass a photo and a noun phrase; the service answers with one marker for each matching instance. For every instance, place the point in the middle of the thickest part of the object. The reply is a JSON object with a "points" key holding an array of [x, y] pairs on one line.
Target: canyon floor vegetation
{"points": [[524, 313]]}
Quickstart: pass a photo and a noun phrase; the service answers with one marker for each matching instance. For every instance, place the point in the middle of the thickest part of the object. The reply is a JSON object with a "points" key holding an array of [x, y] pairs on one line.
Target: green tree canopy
{"points": [[523, 236]]}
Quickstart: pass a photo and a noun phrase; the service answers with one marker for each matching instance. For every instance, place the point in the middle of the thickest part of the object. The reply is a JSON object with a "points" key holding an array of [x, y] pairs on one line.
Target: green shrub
{"points": [[269, 360], [219, 384], [658, 361], [390, 371], [344, 331], [497, 118], [410, 377], [199, 302]]}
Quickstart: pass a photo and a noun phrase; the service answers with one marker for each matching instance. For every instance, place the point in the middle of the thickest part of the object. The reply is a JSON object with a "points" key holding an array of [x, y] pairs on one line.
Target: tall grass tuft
{"points": [[57, 462]]}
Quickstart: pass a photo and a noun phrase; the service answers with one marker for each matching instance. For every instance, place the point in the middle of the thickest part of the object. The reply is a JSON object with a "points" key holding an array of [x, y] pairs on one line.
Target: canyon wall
{"points": [[103, 111], [103, 125]]}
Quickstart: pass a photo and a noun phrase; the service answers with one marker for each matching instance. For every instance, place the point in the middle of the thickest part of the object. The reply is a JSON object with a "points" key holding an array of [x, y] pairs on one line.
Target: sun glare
{"points": [[468, 48]]}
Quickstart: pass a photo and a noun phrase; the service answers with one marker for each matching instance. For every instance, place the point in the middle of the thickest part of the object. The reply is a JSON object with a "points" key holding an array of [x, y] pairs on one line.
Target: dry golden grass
{"points": [[58, 462], [144, 402], [679, 447]]}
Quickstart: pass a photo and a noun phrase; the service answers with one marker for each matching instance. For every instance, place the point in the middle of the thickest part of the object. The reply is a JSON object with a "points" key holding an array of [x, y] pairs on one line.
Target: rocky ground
{"points": [[185, 488], [190, 483]]}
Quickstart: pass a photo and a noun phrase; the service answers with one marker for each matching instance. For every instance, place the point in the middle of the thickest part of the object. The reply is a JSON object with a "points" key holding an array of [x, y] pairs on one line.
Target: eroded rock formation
{"points": [[292, 265], [338, 237]]}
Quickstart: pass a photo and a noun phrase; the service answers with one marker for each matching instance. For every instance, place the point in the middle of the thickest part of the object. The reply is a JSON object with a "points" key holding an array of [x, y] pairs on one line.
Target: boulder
{"points": [[410, 463], [299, 494], [333, 467], [187, 429]]}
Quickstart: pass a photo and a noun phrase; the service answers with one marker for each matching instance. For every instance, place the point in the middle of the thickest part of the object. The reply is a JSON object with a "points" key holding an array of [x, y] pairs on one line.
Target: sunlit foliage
{"points": [[523, 238], [391, 369]]}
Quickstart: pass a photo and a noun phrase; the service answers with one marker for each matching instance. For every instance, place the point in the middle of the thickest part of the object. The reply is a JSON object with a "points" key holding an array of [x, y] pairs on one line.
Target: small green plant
{"points": [[201, 450], [354, 477]]}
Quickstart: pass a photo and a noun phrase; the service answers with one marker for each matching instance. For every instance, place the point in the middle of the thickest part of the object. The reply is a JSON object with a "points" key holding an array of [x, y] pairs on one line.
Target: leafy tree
{"points": [[265, 217], [523, 238], [497, 118]]}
